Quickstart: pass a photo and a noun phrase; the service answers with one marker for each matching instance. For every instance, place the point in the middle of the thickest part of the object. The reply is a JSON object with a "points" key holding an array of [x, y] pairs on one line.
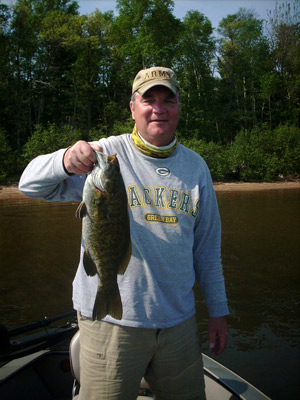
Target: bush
{"points": [[214, 154], [7, 158], [246, 157], [118, 129], [286, 144], [262, 154], [257, 155], [49, 139], [123, 127]]}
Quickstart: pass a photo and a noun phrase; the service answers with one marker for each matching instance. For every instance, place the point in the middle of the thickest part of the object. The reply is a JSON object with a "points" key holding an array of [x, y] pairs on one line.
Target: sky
{"points": [[215, 10]]}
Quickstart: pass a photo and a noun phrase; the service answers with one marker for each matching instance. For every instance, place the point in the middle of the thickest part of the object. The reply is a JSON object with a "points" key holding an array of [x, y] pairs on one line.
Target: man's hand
{"points": [[217, 334], [80, 158]]}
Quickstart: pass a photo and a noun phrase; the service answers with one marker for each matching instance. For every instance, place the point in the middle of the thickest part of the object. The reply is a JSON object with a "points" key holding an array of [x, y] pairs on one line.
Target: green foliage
{"points": [[7, 158], [122, 127], [257, 155], [262, 154], [50, 139], [214, 155], [286, 145], [244, 58], [196, 51], [236, 89], [137, 33], [118, 129]]}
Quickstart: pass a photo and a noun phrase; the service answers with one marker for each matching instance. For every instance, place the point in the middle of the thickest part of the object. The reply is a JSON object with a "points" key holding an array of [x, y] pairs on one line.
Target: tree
{"points": [[59, 38], [76, 71], [5, 68], [39, 54], [42, 7], [243, 51], [196, 52], [144, 34], [284, 35], [22, 58], [140, 26], [92, 72]]}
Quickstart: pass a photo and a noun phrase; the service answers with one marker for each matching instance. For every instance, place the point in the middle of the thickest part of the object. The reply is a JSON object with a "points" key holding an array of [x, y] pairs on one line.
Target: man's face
{"points": [[156, 114]]}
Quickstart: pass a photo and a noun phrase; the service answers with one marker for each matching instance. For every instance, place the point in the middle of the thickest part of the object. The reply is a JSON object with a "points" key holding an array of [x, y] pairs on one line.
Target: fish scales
{"points": [[106, 233]]}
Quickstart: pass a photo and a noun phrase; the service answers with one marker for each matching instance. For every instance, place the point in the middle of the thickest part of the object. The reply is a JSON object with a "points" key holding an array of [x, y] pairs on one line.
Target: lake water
{"points": [[39, 250]]}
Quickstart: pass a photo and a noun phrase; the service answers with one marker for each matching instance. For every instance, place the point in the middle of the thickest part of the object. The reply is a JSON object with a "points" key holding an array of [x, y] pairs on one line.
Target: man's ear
{"points": [[132, 110]]}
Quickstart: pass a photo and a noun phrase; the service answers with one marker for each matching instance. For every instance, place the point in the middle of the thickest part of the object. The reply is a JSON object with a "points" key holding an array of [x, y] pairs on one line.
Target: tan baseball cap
{"points": [[154, 76]]}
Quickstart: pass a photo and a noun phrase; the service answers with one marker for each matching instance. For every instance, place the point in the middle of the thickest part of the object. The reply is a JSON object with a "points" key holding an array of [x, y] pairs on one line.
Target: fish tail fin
{"points": [[115, 308], [108, 304]]}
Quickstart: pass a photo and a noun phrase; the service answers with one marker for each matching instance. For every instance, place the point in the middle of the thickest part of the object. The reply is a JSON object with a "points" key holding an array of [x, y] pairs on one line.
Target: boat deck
{"points": [[46, 375]]}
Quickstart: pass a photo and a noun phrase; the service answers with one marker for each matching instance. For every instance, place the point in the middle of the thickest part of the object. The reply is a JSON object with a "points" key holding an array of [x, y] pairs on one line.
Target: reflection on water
{"points": [[261, 254], [39, 251]]}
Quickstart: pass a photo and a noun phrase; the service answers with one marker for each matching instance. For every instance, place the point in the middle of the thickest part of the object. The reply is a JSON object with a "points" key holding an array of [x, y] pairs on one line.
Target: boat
{"points": [[45, 365]]}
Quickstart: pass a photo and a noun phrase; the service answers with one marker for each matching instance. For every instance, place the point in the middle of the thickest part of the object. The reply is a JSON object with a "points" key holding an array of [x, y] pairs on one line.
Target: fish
{"points": [[105, 232]]}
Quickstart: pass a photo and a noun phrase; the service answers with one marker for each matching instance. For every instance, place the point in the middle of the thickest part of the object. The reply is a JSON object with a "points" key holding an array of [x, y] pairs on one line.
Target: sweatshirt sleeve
{"points": [[207, 252], [45, 178]]}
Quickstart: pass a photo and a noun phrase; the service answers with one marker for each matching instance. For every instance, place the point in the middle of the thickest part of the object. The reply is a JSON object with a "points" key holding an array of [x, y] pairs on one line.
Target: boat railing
{"points": [[14, 348]]}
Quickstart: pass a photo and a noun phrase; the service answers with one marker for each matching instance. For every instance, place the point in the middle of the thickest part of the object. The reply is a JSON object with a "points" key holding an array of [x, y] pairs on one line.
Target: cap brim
{"points": [[157, 82]]}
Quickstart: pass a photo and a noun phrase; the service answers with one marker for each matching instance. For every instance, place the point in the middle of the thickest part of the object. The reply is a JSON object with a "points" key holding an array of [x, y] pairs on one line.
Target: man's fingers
{"points": [[219, 345], [218, 334], [96, 147], [80, 158]]}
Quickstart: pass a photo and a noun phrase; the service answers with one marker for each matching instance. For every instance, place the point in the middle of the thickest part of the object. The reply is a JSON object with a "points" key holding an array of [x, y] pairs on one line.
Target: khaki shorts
{"points": [[113, 360]]}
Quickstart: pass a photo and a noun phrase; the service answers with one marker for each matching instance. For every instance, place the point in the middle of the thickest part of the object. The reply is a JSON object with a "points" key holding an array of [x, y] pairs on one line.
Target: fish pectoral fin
{"points": [[81, 210], [89, 265], [125, 260], [108, 303]]}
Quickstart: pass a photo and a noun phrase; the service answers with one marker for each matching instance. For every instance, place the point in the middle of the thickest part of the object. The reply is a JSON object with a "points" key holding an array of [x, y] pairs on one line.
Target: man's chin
{"points": [[159, 128], [160, 138]]}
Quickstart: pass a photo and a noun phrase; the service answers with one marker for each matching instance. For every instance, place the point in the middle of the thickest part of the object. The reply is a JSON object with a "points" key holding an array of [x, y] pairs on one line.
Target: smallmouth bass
{"points": [[105, 232]]}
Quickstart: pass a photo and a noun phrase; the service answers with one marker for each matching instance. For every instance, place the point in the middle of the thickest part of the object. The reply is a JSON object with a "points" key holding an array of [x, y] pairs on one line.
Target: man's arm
{"points": [[208, 267], [48, 177]]}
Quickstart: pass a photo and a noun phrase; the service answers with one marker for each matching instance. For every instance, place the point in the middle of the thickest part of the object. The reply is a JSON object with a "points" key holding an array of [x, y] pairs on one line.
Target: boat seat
{"points": [[74, 356], [75, 369]]}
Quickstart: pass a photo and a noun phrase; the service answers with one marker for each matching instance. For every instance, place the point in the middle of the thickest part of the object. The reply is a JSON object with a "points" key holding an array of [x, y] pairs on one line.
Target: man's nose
{"points": [[159, 107]]}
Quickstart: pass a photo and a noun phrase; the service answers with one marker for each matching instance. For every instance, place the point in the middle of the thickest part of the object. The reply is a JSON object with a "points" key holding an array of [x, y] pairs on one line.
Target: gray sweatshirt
{"points": [[175, 232]]}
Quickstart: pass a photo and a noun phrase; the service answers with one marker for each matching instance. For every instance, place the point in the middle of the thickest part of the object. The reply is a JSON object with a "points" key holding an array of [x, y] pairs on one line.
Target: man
{"points": [[175, 234]]}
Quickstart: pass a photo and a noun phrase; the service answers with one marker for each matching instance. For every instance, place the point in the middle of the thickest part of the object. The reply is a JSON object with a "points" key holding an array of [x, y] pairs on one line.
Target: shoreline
{"points": [[255, 186], [11, 191]]}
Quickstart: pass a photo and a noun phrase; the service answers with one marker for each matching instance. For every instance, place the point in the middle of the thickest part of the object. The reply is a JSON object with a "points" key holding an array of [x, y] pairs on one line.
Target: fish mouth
{"points": [[98, 189], [106, 158]]}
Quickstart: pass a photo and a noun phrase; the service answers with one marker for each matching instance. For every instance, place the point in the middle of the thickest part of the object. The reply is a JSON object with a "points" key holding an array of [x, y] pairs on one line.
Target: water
{"points": [[261, 259], [39, 251]]}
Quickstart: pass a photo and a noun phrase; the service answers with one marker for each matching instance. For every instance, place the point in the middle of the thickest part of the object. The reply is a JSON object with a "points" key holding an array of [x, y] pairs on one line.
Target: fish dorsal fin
{"points": [[81, 210], [89, 265], [125, 260]]}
